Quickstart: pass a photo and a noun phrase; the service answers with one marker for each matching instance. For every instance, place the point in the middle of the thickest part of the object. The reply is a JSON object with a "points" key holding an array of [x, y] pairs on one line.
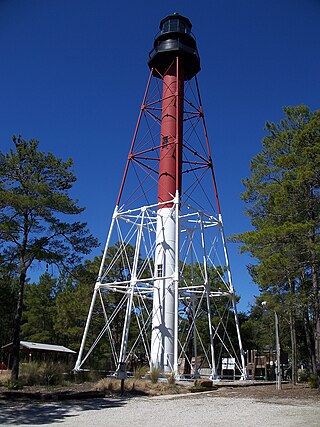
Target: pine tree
{"points": [[39, 310], [35, 212], [284, 207], [8, 298]]}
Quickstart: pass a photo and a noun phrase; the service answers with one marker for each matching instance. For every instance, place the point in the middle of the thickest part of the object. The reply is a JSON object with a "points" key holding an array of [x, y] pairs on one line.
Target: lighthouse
{"points": [[164, 292], [174, 59]]}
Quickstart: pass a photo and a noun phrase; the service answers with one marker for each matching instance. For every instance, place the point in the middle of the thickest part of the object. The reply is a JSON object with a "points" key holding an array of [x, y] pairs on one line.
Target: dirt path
{"points": [[243, 406]]}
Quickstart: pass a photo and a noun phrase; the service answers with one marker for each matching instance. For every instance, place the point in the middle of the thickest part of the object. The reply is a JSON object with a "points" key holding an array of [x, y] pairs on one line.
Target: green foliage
{"points": [[40, 310], [33, 200], [52, 373], [283, 197], [14, 384], [313, 381], [117, 271], [8, 298], [71, 309], [30, 373], [303, 375], [35, 212], [55, 310], [258, 327], [42, 373], [282, 193], [220, 308]]}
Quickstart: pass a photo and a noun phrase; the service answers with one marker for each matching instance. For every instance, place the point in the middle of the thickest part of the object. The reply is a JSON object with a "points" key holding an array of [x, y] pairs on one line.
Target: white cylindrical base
{"points": [[163, 316]]}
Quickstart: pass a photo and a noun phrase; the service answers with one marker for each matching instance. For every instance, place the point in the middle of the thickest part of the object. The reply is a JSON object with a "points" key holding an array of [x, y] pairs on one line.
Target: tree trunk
{"points": [[293, 347], [310, 341], [292, 318], [15, 352], [316, 315]]}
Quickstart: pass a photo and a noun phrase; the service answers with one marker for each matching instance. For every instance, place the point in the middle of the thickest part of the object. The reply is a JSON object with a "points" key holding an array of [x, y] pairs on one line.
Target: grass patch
{"points": [[14, 384], [140, 371], [313, 381], [5, 376], [138, 386], [42, 373], [154, 374], [171, 378], [6, 381]]}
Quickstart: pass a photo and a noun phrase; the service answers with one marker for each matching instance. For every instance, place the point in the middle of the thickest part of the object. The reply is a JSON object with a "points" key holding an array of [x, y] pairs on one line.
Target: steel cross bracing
{"points": [[206, 320]]}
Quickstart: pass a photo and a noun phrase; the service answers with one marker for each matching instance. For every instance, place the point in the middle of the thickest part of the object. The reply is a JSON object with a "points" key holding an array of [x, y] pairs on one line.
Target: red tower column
{"points": [[170, 165]]}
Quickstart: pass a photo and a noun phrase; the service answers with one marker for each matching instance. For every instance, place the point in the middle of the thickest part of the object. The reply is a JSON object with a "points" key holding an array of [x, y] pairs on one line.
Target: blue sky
{"points": [[73, 73]]}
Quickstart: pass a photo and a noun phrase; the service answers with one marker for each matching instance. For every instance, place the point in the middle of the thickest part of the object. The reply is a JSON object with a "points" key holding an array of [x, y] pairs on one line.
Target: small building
{"points": [[34, 351], [262, 367]]}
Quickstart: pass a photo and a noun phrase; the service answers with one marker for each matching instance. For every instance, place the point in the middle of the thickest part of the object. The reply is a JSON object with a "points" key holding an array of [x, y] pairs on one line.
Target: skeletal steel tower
{"points": [[164, 279]]}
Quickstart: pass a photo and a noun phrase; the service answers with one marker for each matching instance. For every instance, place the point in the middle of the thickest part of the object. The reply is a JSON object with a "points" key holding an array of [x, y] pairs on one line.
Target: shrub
{"points": [[52, 373], [42, 373], [13, 384], [108, 384], [30, 373], [313, 381], [5, 377], [154, 374], [171, 378], [140, 371], [303, 375]]}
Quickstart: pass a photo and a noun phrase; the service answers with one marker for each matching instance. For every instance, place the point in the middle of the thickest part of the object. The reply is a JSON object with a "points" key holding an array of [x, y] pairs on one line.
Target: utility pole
{"points": [[276, 326]]}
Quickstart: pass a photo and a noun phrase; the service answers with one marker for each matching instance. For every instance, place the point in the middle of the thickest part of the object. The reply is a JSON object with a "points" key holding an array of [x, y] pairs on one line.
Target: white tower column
{"points": [[163, 318]]}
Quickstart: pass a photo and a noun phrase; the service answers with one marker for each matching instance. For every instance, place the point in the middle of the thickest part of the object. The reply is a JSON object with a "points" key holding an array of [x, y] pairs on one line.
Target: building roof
{"points": [[36, 346]]}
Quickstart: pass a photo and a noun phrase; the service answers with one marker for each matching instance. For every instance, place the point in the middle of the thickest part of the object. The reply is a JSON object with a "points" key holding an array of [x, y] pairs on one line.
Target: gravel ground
{"points": [[250, 406]]}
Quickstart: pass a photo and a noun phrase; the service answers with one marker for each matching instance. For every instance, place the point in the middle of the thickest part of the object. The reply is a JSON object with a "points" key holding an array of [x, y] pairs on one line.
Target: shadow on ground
{"points": [[41, 413]]}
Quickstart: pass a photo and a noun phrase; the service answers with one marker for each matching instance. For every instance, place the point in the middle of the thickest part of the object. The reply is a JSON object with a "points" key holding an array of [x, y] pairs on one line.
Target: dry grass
{"points": [[154, 374], [171, 378], [4, 376], [139, 386], [42, 373], [140, 371]]}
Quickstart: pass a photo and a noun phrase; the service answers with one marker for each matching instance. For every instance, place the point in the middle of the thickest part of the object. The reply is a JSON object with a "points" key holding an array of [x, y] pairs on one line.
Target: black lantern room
{"points": [[175, 39]]}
